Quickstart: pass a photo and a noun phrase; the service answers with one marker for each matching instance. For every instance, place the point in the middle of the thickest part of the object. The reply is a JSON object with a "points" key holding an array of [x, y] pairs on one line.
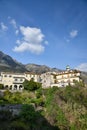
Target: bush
{"points": [[5, 115], [1, 86], [18, 125], [38, 102], [31, 85], [28, 113], [39, 93]]}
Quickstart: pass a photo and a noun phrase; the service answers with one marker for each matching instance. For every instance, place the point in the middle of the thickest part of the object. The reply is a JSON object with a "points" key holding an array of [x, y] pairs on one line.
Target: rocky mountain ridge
{"points": [[7, 63]]}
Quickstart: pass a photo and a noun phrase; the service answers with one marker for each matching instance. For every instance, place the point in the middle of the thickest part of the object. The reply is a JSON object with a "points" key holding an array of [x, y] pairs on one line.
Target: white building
{"points": [[29, 76], [60, 79], [47, 79], [68, 77], [14, 81]]}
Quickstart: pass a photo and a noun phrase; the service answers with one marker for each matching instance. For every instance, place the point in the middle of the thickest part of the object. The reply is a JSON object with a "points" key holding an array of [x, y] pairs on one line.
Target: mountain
{"points": [[7, 63], [84, 76], [40, 68]]}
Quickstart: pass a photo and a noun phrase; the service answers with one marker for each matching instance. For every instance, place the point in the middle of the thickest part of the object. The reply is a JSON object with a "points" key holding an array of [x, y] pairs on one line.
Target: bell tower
{"points": [[67, 68]]}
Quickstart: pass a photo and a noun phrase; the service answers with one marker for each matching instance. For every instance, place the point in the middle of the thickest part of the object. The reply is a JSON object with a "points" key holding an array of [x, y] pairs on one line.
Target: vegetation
{"points": [[31, 85], [46, 109], [1, 86]]}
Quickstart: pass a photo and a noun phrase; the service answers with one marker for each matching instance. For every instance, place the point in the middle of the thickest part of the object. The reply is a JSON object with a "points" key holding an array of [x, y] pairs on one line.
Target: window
{"points": [[21, 79], [20, 87], [15, 87], [16, 79]]}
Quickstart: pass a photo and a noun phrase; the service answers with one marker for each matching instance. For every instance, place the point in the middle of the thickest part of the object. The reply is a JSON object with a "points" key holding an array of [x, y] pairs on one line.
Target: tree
{"points": [[31, 85]]}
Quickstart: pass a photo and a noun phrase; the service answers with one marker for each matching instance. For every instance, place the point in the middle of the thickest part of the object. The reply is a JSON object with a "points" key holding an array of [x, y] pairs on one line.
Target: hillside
{"points": [[7, 63], [84, 76], [67, 107], [45, 109], [40, 68]]}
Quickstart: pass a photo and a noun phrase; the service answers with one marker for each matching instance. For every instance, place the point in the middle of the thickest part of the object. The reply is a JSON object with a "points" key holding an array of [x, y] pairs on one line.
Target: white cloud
{"points": [[3, 27], [32, 40], [13, 22], [71, 36], [73, 33], [82, 67], [67, 39], [17, 32], [18, 42], [32, 35], [37, 49]]}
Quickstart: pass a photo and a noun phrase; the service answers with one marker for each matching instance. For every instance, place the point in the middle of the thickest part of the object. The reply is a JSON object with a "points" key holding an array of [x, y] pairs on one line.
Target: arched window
{"points": [[15, 87], [6, 86], [10, 87], [20, 87]]}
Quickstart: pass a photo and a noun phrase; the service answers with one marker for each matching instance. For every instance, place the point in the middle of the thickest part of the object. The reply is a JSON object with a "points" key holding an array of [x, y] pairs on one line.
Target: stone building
{"points": [[47, 79]]}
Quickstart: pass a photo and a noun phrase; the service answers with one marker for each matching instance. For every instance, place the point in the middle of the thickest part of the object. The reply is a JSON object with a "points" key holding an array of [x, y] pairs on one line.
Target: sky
{"points": [[45, 32]]}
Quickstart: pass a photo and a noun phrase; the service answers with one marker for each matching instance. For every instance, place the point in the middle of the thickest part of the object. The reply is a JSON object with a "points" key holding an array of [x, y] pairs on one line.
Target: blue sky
{"points": [[46, 32]]}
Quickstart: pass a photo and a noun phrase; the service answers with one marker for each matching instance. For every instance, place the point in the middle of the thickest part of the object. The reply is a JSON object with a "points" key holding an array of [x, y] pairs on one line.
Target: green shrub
{"points": [[39, 93], [1, 86], [18, 125], [5, 115], [31, 85], [28, 113]]}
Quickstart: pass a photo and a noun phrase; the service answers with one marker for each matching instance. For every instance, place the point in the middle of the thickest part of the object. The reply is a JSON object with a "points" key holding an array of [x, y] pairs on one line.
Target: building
{"points": [[14, 81], [68, 77], [60, 79], [29, 76], [47, 79]]}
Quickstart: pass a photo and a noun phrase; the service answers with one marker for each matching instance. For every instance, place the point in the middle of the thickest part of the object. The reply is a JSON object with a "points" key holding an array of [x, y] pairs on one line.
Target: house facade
{"points": [[60, 79], [47, 79], [14, 81], [67, 77]]}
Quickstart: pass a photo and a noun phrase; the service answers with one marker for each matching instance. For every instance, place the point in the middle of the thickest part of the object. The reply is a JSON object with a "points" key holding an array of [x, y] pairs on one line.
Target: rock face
{"points": [[7, 63], [37, 68], [40, 68], [15, 108]]}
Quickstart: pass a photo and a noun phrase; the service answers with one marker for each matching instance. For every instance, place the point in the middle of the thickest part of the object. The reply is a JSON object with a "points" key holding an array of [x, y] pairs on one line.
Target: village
{"points": [[14, 81]]}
